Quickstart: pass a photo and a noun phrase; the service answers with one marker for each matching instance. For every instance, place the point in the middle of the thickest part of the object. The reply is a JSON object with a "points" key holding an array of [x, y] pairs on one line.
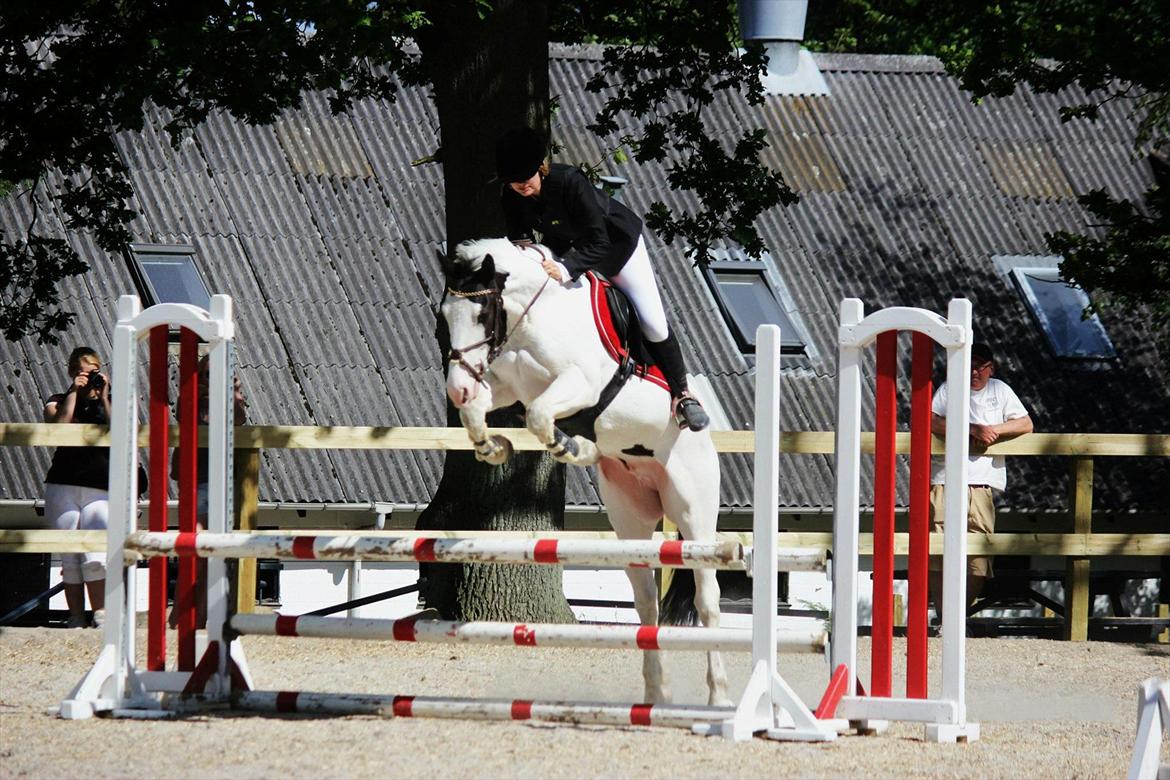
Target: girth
{"points": [[582, 423]]}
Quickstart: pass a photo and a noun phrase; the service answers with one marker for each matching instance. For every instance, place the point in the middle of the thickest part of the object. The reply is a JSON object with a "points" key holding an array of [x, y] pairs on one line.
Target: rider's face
{"points": [[527, 188]]}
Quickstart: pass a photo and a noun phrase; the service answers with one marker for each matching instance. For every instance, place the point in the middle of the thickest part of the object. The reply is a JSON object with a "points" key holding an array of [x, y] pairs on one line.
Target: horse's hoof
{"points": [[498, 451]]}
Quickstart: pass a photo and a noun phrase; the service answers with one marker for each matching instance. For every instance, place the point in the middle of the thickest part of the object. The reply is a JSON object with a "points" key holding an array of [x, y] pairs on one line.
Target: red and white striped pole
{"points": [[600, 713], [615, 553], [628, 637]]}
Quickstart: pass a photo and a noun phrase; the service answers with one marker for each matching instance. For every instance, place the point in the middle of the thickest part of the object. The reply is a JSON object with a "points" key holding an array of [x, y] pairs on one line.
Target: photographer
{"points": [[77, 483]]}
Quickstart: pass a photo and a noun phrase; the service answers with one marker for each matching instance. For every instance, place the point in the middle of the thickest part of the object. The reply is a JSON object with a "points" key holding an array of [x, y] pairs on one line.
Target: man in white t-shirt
{"points": [[996, 415]]}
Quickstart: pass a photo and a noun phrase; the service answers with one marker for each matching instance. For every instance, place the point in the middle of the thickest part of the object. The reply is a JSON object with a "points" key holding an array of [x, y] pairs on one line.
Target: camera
{"points": [[96, 380]]}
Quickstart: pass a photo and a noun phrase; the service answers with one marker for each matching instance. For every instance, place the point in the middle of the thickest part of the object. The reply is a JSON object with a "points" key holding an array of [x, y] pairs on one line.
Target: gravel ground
{"points": [[1047, 709]]}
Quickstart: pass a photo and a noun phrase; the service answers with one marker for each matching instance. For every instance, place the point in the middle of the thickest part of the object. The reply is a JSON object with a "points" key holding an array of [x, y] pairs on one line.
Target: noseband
{"points": [[496, 327]]}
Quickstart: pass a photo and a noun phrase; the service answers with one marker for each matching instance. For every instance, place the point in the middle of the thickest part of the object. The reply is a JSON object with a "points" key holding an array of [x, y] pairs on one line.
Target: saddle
{"points": [[617, 325]]}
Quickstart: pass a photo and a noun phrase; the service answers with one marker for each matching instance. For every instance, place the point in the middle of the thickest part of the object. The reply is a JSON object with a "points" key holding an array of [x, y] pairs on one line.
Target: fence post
{"points": [[247, 499], [1077, 601]]}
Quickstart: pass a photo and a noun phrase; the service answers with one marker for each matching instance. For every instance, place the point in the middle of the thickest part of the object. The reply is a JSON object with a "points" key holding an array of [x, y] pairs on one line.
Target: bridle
{"points": [[497, 325]]}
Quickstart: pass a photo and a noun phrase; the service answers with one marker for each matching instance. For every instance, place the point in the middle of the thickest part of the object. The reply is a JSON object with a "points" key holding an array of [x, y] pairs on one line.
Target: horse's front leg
{"points": [[569, 393], [495, 450]]}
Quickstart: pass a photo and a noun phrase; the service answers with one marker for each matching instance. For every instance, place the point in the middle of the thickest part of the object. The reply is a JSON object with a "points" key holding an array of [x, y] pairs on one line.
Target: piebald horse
{"points": [[517, 335]]}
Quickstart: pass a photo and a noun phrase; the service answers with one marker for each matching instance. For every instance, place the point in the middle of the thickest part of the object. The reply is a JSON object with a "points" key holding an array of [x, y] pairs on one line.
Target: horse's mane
{"points": [[469, 254]]}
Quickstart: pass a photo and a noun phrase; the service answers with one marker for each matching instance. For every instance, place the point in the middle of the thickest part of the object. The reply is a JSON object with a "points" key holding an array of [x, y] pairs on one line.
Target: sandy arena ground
{"points": [[1047, 709]]}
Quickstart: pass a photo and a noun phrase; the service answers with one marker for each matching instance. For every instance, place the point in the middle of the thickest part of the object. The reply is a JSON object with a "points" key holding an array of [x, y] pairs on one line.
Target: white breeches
{"points": [[637, 281], [73, 508]]}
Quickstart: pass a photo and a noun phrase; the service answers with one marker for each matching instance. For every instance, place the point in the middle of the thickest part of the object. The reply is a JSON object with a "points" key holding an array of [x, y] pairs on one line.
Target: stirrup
{"points": [[689, 413]]}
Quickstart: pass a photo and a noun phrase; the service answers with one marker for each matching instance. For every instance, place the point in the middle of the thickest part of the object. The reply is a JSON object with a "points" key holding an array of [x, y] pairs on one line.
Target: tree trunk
{"points": [[489, 74]]}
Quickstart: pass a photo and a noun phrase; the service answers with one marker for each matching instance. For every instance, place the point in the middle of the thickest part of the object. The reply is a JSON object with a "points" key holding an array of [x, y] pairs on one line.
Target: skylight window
{"points": [[1057, 307], [747, 300], [167, 273]]}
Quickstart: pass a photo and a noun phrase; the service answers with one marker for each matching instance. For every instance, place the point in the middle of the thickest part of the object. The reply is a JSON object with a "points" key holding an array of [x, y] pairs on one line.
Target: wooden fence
{"points": [[1078, 547]]}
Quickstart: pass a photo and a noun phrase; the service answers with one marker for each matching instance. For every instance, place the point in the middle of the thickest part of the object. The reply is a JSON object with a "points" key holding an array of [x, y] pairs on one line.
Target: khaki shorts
{"points": [[980, 520]]}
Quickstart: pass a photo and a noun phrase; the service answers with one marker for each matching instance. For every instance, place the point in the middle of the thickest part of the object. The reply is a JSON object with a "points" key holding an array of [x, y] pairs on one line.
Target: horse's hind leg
{"points": [[634, 510], [690, 496], [646, 602]]}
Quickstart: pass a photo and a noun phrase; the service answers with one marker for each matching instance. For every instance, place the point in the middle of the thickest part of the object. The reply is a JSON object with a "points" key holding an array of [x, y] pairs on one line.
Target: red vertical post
{"points": [[188, 476], [920, 397], [160, 421], [886, 423]]}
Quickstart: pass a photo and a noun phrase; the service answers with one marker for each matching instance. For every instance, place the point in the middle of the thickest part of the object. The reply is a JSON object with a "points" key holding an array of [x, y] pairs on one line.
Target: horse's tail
{"points": [[677, 607]]}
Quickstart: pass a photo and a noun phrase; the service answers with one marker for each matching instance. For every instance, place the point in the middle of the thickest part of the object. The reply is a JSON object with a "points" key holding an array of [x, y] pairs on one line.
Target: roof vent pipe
{"points": [[779, 25]]}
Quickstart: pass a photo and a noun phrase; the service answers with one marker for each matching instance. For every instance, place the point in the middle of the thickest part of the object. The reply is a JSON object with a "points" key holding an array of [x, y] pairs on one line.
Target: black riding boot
{"points": [[688, 412]]}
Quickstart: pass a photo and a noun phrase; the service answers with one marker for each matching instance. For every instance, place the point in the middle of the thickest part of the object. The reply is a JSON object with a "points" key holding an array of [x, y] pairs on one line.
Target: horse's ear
{"points": [[487, 270], [446, 264]]}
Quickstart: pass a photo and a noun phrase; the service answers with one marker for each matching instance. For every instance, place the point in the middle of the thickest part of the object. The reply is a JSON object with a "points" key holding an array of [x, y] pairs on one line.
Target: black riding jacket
{"points": [[587, 229]]}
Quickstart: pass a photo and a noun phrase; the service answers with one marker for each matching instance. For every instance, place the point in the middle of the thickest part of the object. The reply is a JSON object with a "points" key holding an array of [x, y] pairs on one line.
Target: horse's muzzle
{"points": [[461, 385]]}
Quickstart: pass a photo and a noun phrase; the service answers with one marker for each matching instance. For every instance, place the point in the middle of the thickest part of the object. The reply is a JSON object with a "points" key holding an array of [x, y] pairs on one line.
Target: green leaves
{"points": [[1130, 265]]}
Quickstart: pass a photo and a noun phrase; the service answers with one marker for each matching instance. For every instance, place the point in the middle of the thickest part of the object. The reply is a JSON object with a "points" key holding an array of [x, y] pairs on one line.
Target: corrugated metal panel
{"points": [[151, 147], [367, 474], [980, 225], [91, 327], [419, 397], [1113, 125], [317, 142], [349, 208], [947, 167], [393, 136], [232, 146], [399, 335], [108, 277], [419, 209], [1030, 170], [265, 204], [1037, 218], [374, 271], [877, 165], [321, 333], [1112, 167], [174, 201], [293, 269], [804, 160], [22, 469]]}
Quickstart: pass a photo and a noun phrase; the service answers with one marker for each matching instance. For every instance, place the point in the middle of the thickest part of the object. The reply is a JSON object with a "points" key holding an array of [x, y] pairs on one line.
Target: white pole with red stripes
{"points": [[628, 637], [600, 713], [574, 552]]}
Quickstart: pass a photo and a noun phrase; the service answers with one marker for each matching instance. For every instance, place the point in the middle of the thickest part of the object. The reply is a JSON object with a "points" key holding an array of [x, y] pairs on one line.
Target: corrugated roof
{"points": [[325, 235]]}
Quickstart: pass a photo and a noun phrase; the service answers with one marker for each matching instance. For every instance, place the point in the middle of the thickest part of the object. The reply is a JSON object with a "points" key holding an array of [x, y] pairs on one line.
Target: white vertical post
{"points": [[954, 617], [847, 504], [219, 460], [766, 498], [768, 703], [120, 615], [354, 581]]}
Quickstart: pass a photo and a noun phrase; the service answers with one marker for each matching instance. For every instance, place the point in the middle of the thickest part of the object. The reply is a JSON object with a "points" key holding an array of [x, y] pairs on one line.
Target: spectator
{"points": [[77, 483], [239, 406], [996, 415]]}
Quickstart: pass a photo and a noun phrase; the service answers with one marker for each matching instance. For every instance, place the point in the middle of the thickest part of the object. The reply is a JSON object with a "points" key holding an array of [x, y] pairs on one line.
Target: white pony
{"points": [[517, 335]]}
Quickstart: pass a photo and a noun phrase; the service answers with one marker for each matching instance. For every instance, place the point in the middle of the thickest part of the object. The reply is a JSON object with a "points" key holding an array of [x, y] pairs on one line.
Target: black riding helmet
{"points": [[519, 153]]}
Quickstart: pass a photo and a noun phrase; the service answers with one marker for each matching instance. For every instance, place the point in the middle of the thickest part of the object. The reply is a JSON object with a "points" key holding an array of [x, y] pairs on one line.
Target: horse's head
{"points": [[476, 315]]}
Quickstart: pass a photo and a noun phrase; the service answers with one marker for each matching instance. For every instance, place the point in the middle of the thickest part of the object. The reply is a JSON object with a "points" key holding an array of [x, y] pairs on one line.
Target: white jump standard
{"points": [[945, 715], [115, 683]]}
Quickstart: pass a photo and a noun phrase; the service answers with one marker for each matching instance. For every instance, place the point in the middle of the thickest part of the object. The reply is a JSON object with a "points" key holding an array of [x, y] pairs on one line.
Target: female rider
{"points": [[589, 230]]}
